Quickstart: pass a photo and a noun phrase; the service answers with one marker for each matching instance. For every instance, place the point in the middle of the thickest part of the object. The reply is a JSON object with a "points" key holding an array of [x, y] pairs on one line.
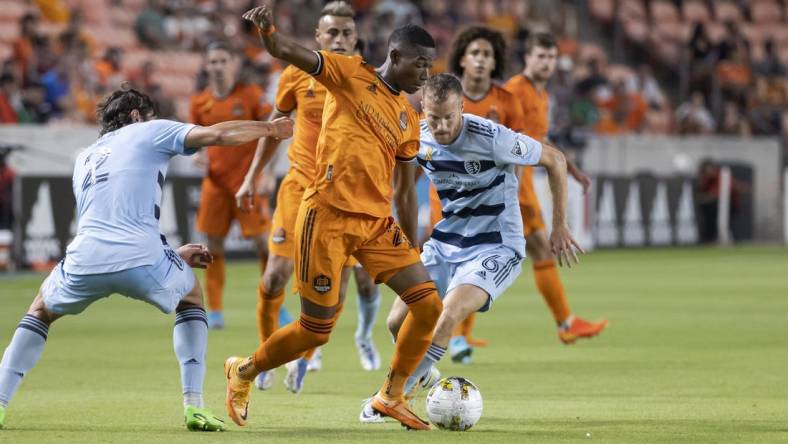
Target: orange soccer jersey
{"points": [[227, 166], [301, 92], [367, 127]]}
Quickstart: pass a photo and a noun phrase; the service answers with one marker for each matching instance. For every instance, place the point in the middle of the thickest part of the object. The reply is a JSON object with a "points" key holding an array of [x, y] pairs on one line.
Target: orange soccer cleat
{"points": [[580, 328], [237, 401], [398, 409]]}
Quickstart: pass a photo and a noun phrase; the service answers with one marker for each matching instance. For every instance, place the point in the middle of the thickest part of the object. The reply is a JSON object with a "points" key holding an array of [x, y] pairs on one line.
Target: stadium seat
{"points": [[9, 31], [695, 11], [725, 10], [664, 12], [12, 10], [764, 12]]}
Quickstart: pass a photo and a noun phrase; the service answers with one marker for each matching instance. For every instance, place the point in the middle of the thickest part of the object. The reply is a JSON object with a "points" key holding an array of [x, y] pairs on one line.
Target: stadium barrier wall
{"points": [[664, 156]]}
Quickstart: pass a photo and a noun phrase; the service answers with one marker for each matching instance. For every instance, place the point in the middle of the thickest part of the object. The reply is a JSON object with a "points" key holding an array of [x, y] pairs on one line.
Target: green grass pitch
{"points": [[696, 351]]}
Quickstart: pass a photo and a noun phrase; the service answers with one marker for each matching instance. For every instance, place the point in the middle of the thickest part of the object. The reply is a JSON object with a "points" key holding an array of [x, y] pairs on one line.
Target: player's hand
{"points": [[196, 255], [564, 246], [584, 180], [200, 159], [244, 198], [282, 128], [261, 16]]}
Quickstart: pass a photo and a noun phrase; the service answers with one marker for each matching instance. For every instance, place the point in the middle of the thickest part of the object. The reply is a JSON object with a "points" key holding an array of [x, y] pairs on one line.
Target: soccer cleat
{"points": [[216, 320], [315, 364], [296, 370], [580, 328], [425, 383], [2, 416], [265, 380], [237, 400], [368, 415], [459, 350], [368, 355], [476, 342], [398, 409], [202, 420]]}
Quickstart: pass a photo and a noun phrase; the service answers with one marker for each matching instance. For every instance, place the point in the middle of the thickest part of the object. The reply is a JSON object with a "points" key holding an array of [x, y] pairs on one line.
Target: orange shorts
{"points": [[288, 200], [217, 211], [326, 237], [529, 204]]}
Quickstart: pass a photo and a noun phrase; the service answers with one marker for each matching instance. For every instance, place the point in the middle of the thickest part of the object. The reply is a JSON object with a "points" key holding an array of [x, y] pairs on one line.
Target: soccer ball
{"points": [[454, 403]]}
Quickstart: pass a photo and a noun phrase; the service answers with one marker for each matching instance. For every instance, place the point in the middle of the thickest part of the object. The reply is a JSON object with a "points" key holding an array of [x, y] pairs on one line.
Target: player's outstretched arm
{"points": [[237, 132], [266, 148], [406, 199], [196, 255], [279, 46], [563, 244]]}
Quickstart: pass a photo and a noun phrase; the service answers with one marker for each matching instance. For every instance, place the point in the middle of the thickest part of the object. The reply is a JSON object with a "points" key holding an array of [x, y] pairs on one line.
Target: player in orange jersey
{"points": [[369, 127], [226, 99], [530, 88], [300, 93]]}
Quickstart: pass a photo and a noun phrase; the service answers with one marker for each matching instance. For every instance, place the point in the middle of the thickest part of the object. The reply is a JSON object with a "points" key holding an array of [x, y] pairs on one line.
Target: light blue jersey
{"points": [[477, 183], [118, 186]]}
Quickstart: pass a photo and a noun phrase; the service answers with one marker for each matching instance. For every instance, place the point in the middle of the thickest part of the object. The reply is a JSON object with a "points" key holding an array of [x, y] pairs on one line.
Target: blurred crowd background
{"points": [[626, 66]]}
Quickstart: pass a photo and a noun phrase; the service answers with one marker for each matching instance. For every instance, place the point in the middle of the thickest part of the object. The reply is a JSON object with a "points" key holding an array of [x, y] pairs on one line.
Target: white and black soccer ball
{"points": [[454, 403]]}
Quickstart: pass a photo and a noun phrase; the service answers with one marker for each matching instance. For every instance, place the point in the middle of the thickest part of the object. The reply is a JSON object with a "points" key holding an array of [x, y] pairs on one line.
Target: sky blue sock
{"points": [[190, 340], [367, 313], [21, 355]]}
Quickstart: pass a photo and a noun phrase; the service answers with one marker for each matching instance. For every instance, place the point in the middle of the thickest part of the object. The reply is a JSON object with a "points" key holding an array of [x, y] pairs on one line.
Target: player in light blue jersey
{"points": [[118, 248], [476, 250]]}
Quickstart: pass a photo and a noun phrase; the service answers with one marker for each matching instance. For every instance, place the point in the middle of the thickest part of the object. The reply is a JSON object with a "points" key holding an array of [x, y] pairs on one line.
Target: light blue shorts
{"points": [[162, 285], [494, 271]]}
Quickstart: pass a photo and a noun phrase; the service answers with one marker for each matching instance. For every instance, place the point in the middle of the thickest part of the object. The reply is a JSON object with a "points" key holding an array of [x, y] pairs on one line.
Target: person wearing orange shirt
{"points": [[226, 99], [541, 53], [300, 93], [368, 129]]}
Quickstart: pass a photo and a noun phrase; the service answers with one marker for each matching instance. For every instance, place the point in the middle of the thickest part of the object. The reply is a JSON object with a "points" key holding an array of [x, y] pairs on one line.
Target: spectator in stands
{"points": [[35, 108], [142, 79], [645, 83], [733, 122], [8, 89], [7, 175], [23, 46], [770, 66], [150, 27], [766, 106], [402, 11], [109, 68], [701, 58], [734, 75], [623, 112], [707, 199], [692, 117], [57, 84]]}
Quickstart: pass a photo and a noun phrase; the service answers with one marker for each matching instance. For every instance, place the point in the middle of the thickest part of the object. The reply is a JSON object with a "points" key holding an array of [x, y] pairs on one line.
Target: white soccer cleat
{"points": [[424, 384], [296, 370], [368, 415], [265, 380], [315, 364], [368, 355]]}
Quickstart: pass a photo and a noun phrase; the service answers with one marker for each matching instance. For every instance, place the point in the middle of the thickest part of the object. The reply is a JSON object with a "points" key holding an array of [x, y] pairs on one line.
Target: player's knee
{"points": [[537, 246], [315, 332], [366, 287], [276, 275], [215, 245], [39, 310], [393, 323], [429, 309]]}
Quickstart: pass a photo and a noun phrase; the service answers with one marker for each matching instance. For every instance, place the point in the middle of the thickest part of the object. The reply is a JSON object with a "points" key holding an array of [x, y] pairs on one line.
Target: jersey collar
{"points": [[393, 90]]}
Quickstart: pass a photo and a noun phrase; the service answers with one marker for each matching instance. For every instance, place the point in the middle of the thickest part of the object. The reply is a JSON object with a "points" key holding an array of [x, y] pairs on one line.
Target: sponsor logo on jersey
{"points": [[279, 236], [472, 167], [322, 284]]}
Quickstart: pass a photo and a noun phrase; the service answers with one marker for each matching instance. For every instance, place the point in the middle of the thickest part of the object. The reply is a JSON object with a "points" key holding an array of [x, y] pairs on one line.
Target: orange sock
{"points": [[309, 353], [291, 341], [268, 306], [465, 327], [214, 282], [549, 284], [414, 336]]}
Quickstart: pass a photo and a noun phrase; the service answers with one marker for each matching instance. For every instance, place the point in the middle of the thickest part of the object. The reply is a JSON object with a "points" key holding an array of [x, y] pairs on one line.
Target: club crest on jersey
{"points": [[279, 236], [322, 284], [310, 93], [238, 109], [517, 150], [403, 121], [472, 167]]}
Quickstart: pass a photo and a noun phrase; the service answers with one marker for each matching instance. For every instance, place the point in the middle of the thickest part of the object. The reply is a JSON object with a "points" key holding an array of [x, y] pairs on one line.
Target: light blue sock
{"points": [[21, 355], [190, 340], [434, 354], [284, 317], [367, 313]]}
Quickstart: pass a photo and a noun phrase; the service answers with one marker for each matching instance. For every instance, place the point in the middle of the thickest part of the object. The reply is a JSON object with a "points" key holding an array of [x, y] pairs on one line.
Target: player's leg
{"points": [[214, 217], [24, 351], [322, 249], [368, 307], [548, 280]]}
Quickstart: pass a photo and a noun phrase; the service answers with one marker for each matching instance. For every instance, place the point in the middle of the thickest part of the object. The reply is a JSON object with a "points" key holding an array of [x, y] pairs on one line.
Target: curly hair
{"points": [[114, 112], [464, 38]]}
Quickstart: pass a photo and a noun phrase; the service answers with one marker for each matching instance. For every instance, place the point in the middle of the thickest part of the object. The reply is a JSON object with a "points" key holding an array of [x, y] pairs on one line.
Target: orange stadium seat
{"points": [[764, 12], [663, 12], [634, 20], [603, 9], [725, 10], [6, 51], [9, 31], [13, 10], [695, 11]]}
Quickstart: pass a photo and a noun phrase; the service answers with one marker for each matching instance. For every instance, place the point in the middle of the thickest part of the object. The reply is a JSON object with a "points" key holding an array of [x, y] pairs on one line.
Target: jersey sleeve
{"points": [[261, 109], [334, 69], [408, 150], [285, 93], [169, 137], [517, 115], [510, 147], [194, 115]]}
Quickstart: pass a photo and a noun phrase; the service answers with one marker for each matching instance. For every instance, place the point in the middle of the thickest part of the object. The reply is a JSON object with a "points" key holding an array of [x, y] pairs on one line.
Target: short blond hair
{"points": [[338, 9]]}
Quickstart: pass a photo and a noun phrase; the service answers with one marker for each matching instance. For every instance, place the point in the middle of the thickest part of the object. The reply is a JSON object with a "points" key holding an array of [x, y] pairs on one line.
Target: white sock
{"points": [[190, 340], [21, 355], [434, 354], [367, 313]]}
